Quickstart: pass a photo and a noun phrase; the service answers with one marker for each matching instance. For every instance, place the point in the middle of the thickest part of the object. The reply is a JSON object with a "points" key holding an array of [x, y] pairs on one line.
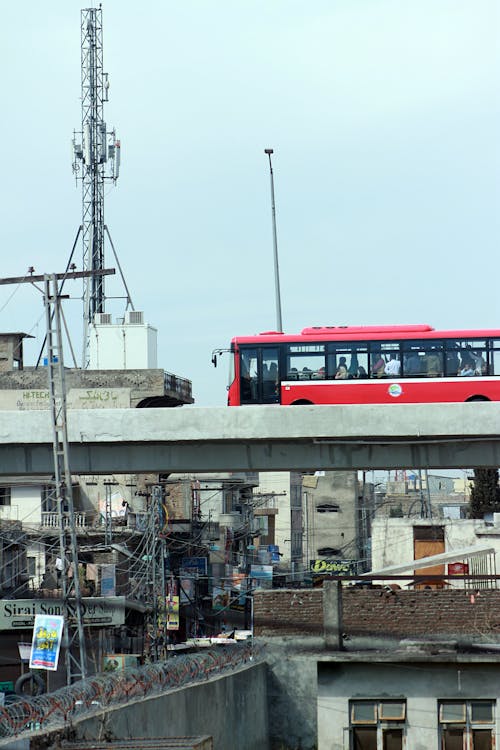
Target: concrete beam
{"points": [[257, 438]]}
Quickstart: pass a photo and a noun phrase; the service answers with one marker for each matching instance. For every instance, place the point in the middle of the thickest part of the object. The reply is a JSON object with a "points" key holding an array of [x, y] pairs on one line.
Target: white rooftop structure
{"points": [[128, 344]]}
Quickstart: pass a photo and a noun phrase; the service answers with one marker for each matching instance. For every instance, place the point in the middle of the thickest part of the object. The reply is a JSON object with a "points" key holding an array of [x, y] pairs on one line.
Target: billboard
{"points": [[172, 603], [333, 567], [46, 643]]}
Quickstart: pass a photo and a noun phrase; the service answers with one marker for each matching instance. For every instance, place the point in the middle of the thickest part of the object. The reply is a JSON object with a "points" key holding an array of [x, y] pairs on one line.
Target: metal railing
{"points": [[96, 693]]}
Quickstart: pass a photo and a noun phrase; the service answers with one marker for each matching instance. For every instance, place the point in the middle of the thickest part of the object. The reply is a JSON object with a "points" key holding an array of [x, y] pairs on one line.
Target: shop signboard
{"points": [[19, 614], [333, 567], [196, 566], [458, 568]]}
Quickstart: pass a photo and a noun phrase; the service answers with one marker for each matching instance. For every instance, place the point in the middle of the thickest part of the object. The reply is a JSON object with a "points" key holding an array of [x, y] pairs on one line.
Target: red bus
{"points": [[364, 365]]}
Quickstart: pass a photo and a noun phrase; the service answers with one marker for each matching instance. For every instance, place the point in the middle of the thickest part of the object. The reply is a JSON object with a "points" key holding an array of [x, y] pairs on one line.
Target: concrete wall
{"points": [[421, 684], [24, 504], [131, 385], [292, 695], [232, 708]]}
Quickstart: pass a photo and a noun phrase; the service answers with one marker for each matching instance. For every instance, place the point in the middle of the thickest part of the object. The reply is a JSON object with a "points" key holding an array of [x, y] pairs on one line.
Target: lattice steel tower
{"points": [[96, 160]]}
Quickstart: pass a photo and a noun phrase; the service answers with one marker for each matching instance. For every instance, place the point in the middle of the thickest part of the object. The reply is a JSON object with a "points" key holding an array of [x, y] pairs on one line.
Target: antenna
{"points": [[96, 159]]}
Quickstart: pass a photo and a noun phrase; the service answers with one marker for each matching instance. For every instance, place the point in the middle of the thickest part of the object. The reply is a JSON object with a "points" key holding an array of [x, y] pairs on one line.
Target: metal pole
{"points": [[279, 324]]}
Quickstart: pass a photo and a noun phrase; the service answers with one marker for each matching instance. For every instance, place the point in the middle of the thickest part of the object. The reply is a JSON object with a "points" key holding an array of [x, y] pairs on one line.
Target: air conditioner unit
{"points": [[134, 317], [102, 319]]}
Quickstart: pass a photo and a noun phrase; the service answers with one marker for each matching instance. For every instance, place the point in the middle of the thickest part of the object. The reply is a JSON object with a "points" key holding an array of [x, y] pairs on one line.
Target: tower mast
{"points": [[96, 160]]}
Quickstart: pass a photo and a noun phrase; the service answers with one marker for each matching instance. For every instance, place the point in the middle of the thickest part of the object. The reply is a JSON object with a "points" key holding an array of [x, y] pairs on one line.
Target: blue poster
{"points": [[46, 643]]}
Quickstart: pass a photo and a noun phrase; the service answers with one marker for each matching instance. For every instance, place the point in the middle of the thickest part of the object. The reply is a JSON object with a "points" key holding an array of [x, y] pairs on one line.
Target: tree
{"points": [[485, 493]]}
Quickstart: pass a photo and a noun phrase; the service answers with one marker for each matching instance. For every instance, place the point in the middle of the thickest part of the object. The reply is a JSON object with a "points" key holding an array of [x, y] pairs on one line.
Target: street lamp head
{"points": [[268, 151]]}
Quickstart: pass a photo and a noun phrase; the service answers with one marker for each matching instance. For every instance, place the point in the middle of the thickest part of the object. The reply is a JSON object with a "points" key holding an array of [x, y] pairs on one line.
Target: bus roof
{"points": [[364, 333]]}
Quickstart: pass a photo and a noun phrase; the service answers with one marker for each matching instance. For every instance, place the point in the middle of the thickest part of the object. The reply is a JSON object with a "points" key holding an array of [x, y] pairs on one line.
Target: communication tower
{"points": [[96, 159]]}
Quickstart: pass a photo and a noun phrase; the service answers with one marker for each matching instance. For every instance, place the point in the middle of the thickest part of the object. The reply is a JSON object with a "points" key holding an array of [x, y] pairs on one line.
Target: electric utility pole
{"points": [[73, 633]]}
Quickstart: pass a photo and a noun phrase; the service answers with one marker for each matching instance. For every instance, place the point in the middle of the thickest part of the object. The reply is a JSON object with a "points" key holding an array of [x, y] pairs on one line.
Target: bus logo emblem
{"points": [[395, 390]]}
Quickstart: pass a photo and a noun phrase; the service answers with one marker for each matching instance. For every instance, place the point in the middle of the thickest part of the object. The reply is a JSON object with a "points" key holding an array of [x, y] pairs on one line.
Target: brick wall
{"points": [[402, 614], [288, 612]]}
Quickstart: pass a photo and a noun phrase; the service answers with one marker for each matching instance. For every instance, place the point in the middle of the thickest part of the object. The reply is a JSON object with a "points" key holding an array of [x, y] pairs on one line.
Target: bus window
{"points": [[354, 357], [305, 362], [452, 360], [494, 364], [248, 376], [472, 355], [386, 359], [423, 359], [270, 375]]}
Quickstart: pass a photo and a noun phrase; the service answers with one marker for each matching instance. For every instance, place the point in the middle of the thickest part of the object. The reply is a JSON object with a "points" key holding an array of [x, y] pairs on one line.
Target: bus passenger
{"points": [[413, 366], [353, 366], [393, 367], [479, 364], [467, 371], [378, 366], [361, 372], [341, 373], [434, 369]]}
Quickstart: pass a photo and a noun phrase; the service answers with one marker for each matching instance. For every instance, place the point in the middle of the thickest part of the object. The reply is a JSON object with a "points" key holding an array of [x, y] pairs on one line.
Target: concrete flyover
{"points": [[255, 438]]}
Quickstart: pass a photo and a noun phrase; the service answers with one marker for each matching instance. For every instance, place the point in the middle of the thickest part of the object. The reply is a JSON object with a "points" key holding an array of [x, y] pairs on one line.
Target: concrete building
{"points": [[366, 669], [396, 541], [338, 508]]}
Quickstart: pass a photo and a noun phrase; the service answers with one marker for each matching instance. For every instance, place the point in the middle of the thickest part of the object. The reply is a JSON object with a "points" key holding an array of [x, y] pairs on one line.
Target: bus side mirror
{"points": [[214, 360]]}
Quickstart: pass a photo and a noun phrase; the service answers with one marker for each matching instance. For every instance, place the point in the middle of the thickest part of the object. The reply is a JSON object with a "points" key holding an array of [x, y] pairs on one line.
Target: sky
{"points": [[384, 118]]}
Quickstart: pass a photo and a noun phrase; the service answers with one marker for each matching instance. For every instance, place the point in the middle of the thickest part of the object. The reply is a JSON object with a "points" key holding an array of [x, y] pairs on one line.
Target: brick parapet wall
{"points": [[375, 612], [288, 612]]}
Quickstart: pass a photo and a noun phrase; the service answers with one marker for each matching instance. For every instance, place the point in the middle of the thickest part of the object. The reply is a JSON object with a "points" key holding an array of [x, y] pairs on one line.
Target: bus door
{"points": [[259, 375]]}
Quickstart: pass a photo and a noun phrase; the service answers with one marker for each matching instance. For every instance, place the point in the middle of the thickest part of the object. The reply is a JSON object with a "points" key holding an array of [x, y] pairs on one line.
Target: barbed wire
{"points": [[98, 692]]}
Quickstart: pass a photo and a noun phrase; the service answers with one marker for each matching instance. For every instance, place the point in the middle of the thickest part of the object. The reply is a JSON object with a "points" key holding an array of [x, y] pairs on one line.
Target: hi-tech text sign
{"points": [[19, 614]]}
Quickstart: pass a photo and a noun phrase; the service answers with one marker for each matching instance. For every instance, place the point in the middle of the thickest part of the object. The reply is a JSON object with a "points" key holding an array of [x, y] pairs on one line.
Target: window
{"points": [[377, 725], [327, 508], [49, 501], [259, 375], [494, 367], [4, 496], [353, 357], [471, 355], [467, 724], [270, 375], [31, 566], [305, 362], [423, 359]]}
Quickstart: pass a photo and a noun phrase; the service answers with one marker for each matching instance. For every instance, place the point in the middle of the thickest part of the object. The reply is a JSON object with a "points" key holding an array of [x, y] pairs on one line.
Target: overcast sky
{"points": [[384, 117]]}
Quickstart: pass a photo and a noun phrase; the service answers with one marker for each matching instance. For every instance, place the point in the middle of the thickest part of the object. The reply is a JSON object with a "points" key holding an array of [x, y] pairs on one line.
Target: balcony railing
{"points": [[50, 520]]}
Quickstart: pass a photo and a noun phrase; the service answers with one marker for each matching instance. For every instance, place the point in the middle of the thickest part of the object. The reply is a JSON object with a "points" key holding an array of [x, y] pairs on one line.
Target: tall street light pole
{"points": [[279, 324]]}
